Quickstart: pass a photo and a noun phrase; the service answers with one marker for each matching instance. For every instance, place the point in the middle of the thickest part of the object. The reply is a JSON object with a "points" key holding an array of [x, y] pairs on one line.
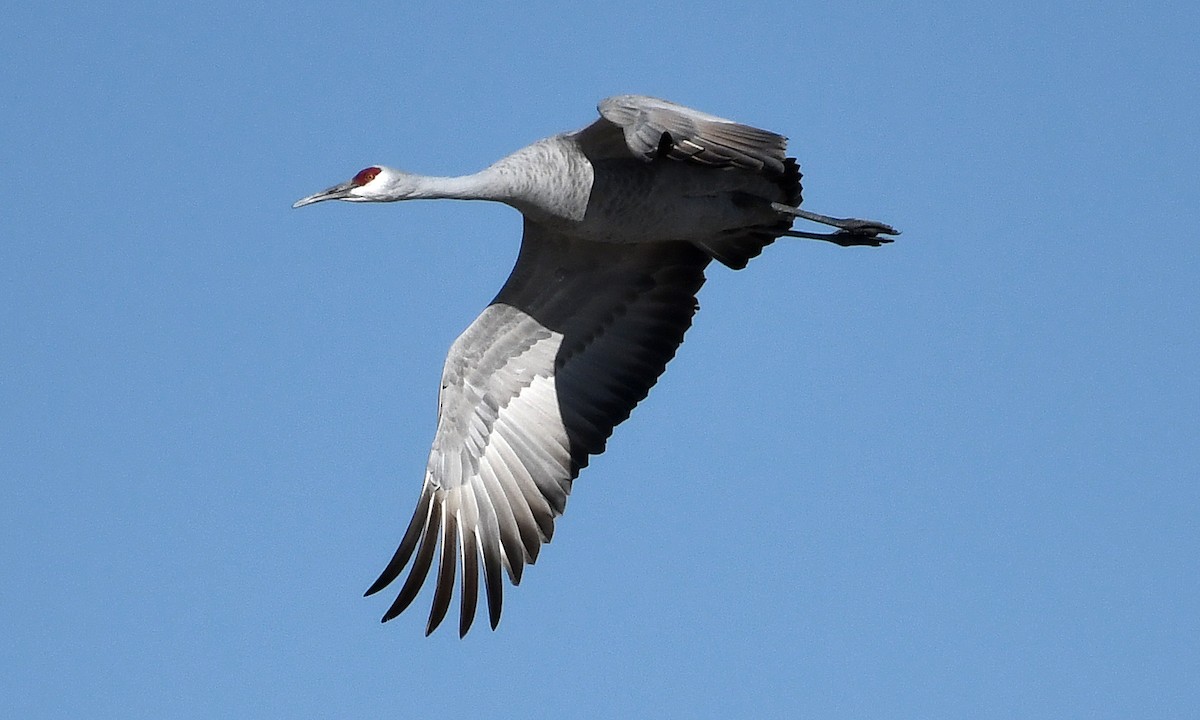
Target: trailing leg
{"points": [[851, 231]]}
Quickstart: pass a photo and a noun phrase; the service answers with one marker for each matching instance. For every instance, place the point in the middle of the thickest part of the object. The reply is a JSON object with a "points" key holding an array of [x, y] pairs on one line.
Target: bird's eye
{"points": [[364, 176]]}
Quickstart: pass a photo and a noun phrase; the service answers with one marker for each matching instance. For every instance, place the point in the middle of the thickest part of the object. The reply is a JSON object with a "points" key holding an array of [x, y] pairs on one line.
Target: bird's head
{"points": [[372, 184]]}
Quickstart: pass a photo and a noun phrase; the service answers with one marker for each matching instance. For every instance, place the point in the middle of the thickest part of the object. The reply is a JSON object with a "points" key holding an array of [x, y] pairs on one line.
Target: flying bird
{"points": [[621, 219]]}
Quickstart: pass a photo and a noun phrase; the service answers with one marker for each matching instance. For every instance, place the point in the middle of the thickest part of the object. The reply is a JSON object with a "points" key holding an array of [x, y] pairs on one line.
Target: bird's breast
{"points": [[549, 181]]}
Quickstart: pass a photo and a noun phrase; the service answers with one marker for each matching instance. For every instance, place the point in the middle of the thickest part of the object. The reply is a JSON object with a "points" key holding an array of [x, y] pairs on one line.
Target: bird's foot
{"points": [[852, 238], [854, 226]]}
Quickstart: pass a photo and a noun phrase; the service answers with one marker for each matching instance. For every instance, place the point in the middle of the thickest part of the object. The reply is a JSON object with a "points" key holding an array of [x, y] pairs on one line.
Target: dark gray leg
{"points": [[851, 231]]}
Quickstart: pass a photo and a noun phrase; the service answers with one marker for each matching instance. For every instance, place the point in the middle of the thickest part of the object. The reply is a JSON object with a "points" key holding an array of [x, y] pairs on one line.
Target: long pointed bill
{"points": [[337, 192]]}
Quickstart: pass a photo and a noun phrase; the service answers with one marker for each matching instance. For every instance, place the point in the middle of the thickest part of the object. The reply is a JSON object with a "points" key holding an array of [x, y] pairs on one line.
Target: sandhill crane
{"points": [[620, 220]]}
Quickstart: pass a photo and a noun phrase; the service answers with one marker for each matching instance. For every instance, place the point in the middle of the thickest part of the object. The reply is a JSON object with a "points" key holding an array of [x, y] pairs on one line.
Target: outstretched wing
{"points": [[652, 128], [575, 339]]}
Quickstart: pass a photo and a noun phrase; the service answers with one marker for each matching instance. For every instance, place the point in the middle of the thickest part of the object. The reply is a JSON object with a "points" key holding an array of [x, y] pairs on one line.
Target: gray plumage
{"points": [[621, 220]]}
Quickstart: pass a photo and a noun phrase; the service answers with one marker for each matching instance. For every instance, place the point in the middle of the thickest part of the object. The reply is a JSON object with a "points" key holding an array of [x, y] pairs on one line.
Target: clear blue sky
{"points": [[953, 477]]}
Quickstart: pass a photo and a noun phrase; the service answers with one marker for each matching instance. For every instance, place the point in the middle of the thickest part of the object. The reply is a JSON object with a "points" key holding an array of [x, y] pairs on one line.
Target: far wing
{"points": [[652, 127], [575, 339]]}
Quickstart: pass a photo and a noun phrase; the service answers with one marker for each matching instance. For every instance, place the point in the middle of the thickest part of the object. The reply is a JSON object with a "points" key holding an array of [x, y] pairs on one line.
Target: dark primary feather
{"points": [[532, 388]]}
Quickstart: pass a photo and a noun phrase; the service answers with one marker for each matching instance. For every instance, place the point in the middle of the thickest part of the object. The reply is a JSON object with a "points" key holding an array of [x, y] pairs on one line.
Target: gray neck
{"points": [[483, 185]]}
